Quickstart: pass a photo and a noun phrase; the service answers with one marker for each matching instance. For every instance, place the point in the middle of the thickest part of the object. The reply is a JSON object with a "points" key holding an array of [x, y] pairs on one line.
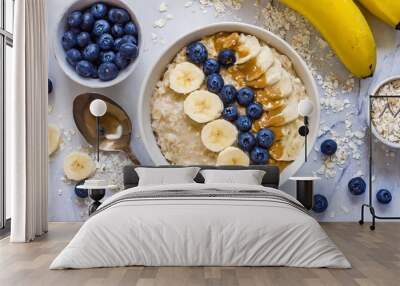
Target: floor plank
{"points": [[375, 257]]}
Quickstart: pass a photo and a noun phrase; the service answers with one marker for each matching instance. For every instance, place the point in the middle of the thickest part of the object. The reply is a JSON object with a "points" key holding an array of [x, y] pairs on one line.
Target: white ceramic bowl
{"points": [[373, 129], [154, 75], [61, 54]]}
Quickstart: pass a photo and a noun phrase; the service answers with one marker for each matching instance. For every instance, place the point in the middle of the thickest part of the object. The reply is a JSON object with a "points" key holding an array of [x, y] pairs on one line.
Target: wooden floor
{"points": [[375, 257]]}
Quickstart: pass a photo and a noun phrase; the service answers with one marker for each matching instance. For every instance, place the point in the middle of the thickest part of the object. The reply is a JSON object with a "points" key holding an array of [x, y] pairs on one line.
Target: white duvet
{"points": [[203, 231]]}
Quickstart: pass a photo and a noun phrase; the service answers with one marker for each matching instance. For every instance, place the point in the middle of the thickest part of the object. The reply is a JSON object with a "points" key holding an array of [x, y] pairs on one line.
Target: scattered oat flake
{"points": [[160, 23], [163, 7]]}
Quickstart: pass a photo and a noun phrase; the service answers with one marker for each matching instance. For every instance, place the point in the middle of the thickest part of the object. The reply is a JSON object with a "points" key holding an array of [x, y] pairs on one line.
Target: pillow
{"points": [[247, 177], [164, 176]]}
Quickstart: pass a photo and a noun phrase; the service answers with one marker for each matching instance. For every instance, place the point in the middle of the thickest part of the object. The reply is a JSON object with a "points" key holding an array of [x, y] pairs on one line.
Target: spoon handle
{"points": [[131, 156]]}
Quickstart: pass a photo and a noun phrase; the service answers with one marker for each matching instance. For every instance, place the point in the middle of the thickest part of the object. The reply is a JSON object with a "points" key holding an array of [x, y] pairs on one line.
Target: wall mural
{"points": [[221, 95]]}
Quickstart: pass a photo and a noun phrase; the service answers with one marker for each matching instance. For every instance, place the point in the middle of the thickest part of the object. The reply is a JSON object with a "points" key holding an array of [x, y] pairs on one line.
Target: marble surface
{"points": [[64, 205]]}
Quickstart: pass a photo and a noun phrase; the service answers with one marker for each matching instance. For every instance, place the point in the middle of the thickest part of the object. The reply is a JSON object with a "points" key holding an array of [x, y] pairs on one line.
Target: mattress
{"points": [[201, 225]]}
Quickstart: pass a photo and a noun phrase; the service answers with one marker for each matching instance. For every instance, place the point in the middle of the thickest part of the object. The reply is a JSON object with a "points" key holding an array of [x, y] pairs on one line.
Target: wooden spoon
{"points": [[115, 125]]}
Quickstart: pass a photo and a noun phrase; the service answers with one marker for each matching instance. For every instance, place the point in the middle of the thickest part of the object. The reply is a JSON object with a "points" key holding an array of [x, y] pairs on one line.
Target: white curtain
{"points": [[26, 123]]}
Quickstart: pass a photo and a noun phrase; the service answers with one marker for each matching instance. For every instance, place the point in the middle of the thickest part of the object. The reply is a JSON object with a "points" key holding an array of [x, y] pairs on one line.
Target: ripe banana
{"points": [[344, 27], [232, 156], [78, 166], [53, 138], [218, 134], [203, 106], [185, 78], [386, 10]]}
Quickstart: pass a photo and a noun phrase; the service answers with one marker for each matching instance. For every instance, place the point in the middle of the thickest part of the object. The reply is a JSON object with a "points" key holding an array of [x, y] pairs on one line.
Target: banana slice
{"points": [[290, 145], [285, 85], [185, 78], [249, 47], [53, 138], [78, 166], [270, 77], [233, 156], [274, 73], [256, 67], [218, 134], [287, 115], [203, 106]]}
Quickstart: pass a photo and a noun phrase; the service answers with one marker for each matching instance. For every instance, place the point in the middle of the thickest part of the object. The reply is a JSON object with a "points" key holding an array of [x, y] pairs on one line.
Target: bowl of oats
{"points": [[227, 94], [385, 111]]}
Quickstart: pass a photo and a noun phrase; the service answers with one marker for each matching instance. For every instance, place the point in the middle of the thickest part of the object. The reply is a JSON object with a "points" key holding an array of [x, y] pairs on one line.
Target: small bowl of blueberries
{"points": [[98, 43]]}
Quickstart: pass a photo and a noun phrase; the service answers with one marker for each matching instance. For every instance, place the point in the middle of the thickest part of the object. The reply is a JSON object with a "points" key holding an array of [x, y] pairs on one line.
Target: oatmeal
{"points": [[228, 99], [384, 112]]}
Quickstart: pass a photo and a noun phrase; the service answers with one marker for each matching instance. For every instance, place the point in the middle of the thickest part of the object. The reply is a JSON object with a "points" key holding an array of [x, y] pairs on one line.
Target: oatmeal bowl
{"points": [[227, 94], [385, 111]]}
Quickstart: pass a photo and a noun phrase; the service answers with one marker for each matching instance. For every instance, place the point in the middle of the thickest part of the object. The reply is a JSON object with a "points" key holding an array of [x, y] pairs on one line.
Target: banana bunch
{"points": [[386, 10], [344, 27]]}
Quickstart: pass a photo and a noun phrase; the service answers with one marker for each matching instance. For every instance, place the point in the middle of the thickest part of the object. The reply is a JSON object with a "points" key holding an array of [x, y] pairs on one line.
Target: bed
{"points": [[201, 224]]}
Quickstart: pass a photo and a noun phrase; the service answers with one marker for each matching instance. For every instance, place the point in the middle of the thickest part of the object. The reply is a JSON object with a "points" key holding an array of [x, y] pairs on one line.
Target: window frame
{"points": [[6, 39]]}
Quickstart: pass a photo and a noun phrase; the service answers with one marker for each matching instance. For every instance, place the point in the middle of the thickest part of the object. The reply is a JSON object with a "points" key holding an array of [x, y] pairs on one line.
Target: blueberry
{"points": [[245, 96], [118, 15], [121, 61], [320, 203], [130, 39], [87, 21], [228, 94], [91, 52], [117, 30], [107, 71], [129, 50], [107, 57], [74, 19], [106, 42], [230, 113], [246, 141], [49, 86], [95, 73], [243, 123], [68, 40], [226, 57], [357, 186], [197, 53], [101, 27], [259, 155], [99, 10], [265, 137], [73, 56], [83, 39], [131, 29], [328, 147], [84, 68], [254, 110], [117, 43], [82, 193], [384, 196], [210, 66], [75, 30], [215, 83]]}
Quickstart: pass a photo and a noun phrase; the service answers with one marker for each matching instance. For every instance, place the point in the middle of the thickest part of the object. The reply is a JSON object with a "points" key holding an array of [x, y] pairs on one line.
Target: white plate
{"points": [[154, 75]]}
